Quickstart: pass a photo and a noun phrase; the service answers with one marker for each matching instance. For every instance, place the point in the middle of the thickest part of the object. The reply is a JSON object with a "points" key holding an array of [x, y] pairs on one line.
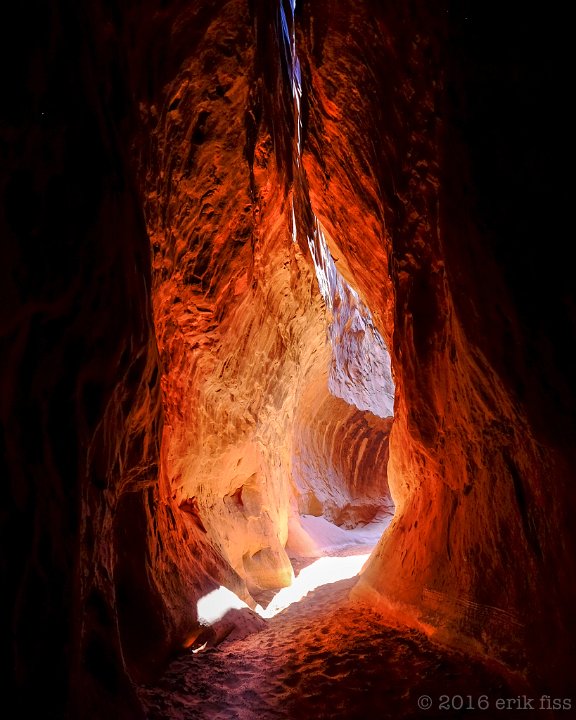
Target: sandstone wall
{"points": [[424, 122], [431, 140]]}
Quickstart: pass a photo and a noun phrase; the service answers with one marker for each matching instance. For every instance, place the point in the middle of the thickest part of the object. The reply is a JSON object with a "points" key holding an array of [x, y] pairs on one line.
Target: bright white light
{"points": [[323, 571], [216, 604]]}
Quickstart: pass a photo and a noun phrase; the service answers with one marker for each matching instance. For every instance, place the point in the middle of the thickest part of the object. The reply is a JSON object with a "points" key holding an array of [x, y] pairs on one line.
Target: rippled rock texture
{"points": [[240, 323], [340, 456], [153, 410]]}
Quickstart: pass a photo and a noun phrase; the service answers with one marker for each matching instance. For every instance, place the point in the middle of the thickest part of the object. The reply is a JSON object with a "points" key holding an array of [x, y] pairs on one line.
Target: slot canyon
{"points": [[279, 275]]}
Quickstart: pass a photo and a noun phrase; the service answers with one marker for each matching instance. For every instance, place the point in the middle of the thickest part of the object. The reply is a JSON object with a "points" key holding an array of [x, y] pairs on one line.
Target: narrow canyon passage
{"points": [[277, 386], [331, 658], [276, 274]]}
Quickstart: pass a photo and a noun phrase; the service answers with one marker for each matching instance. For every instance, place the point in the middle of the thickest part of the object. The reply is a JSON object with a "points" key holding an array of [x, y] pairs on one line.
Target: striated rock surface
{"points": [[339, 459], [360, 370]]}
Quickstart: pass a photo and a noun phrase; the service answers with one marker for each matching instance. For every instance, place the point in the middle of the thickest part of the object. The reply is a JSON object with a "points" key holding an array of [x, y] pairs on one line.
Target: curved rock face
{"points": [[232, 302], [239, 320], [360, 370], [145, 532], [472, 551], [154, 413], [339, 459]]}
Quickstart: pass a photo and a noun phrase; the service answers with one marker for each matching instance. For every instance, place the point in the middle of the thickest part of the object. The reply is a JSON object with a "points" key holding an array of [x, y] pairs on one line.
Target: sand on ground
{"points": [[328, 657]]}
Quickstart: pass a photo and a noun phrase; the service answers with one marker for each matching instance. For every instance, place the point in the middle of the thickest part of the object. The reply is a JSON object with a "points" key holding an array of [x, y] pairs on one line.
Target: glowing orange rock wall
{"points": [[478, 547], [429, 144], [232, 298], [240, 323]]}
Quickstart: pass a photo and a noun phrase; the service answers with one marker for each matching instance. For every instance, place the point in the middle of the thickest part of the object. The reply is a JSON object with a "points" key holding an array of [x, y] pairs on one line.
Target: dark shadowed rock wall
{"points": [[437, 126]]}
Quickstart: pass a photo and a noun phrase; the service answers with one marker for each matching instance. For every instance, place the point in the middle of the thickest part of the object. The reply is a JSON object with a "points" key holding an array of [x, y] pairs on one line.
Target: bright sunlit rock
{"points": [[214, 606], [323, 571], [360, 371]]}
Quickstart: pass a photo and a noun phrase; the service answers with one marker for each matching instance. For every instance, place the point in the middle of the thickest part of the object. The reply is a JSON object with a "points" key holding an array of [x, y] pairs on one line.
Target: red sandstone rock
{"points": [[427, 142], [240, 323], [470, 552]]}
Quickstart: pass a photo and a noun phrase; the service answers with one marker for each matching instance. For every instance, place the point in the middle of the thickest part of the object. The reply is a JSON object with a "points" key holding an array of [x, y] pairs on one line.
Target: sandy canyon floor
{"points": [[328, 657]]}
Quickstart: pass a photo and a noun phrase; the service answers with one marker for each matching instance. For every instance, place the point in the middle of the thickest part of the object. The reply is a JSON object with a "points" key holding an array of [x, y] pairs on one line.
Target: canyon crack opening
{"points": [[217, 218]]}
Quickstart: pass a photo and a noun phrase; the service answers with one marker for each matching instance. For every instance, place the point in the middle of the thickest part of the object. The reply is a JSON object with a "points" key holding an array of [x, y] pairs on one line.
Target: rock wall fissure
{"points": [[360, 368], [151, 413], [360, 371]]}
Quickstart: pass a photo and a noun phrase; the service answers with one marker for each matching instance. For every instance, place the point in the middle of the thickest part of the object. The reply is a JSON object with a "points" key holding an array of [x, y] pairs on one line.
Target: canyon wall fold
{"points": [[410, 123]]}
